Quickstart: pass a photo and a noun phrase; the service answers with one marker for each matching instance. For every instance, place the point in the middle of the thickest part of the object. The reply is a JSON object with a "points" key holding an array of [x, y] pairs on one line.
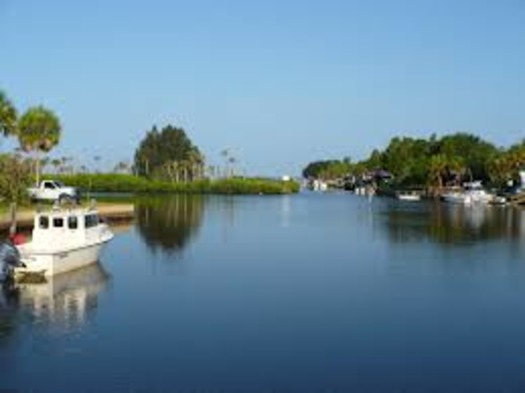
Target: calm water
{"points": [[296, 293]]}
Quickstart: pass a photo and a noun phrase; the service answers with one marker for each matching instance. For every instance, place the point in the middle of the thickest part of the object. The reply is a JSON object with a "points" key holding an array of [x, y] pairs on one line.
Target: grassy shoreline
{"points": [[135, 184]]}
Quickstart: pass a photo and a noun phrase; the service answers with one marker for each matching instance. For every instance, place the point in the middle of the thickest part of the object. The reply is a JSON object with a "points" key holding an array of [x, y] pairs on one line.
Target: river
{"points": [[300, 293]]}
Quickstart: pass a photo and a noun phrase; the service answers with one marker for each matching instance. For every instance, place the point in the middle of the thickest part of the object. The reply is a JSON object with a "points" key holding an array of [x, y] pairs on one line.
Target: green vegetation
{"points": [[38, 131], [432, 163], [137, 184], [8, 116], [330, 169], [167, 161], [15, 177], [168, 155]]}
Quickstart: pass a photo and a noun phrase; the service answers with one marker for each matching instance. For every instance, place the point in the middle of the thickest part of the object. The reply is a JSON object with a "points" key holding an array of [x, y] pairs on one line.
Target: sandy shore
{"points": [[110, 211]]}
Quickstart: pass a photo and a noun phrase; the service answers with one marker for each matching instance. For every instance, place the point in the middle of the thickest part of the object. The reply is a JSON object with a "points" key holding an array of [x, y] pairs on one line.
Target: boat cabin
{"points": [[473, 185], [59, 228]]}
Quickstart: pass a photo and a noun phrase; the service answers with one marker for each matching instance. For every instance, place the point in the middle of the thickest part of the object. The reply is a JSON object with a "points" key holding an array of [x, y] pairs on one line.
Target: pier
{"points": [[112, 212]]}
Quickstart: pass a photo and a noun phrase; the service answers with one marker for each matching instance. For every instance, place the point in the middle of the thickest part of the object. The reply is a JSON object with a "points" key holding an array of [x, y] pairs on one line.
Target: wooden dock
{"points": [[518, 199], [112, 212]]}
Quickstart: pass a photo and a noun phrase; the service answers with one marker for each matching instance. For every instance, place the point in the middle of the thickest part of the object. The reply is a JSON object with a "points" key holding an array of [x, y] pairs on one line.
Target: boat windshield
{"points": [[91, 220], [43, 222]]}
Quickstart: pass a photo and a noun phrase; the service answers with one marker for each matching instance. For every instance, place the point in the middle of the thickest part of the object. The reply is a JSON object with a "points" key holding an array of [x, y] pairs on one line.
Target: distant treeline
{"points": [[432, 162]]}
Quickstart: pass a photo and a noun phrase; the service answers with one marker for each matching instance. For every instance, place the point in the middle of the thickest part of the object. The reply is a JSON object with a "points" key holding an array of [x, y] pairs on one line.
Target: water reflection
{"points": [[168, 223], [451, 224], [66, 300], [63, 302], [9, 297]]}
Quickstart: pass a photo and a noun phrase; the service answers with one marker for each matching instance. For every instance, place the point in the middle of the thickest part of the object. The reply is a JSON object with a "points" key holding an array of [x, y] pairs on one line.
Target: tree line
{"points": [[432, 162]]}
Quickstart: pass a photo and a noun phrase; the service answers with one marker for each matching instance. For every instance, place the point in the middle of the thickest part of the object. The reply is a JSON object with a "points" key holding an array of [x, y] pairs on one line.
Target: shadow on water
{"points": [[168, 223], [63, 302], [9, 300], [449, 224]]}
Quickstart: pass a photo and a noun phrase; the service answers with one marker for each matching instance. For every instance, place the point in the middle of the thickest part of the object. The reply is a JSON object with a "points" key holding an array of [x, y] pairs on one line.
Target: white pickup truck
{"points": [[52, 190]]}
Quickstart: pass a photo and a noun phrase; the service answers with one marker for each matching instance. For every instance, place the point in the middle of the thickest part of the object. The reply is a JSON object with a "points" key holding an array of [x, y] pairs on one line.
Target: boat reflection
{"points": [[64, 301], [452, 224]]}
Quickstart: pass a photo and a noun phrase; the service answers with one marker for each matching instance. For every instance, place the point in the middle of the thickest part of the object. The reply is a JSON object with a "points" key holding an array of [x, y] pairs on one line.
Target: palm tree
{"points": [[38, 131], [211, 171], [8, 116], [184, 165], [231, 161], [455, 165], [121, 167], [171, 168], [97, 159], [226, 154], [195, 163], [55, 162], [45, 162], [438, 165]]}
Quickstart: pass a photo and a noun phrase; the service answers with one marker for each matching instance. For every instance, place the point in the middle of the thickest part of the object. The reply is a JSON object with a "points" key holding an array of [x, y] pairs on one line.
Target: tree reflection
{"points": [[452, 224], [167, 223]]}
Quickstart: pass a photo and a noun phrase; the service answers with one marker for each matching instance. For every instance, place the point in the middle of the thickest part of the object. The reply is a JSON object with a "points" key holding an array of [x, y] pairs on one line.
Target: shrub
{"points": [[15, 178]]}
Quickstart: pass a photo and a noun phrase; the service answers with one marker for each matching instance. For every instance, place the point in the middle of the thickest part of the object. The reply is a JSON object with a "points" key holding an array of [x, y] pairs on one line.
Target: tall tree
{"points": [[196, 162], [161, 152], [38, 132], [436, 170], [471, 150], [329, 169], [8, 116], [225, 153]]}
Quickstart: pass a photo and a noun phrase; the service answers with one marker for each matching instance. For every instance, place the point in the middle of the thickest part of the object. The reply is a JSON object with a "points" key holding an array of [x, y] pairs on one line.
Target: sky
{"points": [[279, 83]]}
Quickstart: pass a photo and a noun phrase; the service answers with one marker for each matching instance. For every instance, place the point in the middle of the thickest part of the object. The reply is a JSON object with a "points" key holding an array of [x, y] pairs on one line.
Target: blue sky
{"points": [[279, 83]]}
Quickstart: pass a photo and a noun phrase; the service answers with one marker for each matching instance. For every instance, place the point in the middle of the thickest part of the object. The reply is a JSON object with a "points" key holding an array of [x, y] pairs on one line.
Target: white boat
{"points": [[411, 197], [472, 193], [318, 185], [63, 240]]}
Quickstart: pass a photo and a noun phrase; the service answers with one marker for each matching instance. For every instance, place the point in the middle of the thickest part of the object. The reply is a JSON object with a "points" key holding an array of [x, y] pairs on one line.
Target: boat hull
{"points": [[409, 197], [52, 263], [457, 198], [468, 199]]}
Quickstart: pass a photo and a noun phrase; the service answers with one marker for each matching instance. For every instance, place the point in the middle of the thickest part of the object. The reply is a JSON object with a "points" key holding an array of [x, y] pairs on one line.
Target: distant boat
{"points": [[318, 185], [408, 196], [472, 193]]}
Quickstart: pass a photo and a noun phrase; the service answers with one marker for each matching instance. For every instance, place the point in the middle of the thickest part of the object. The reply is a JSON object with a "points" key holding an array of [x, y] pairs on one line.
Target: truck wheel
{"points": [[65, 199]]}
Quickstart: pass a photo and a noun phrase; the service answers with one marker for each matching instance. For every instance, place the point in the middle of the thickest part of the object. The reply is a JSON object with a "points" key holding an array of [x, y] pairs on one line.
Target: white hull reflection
{"points": [[64, 300]]}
